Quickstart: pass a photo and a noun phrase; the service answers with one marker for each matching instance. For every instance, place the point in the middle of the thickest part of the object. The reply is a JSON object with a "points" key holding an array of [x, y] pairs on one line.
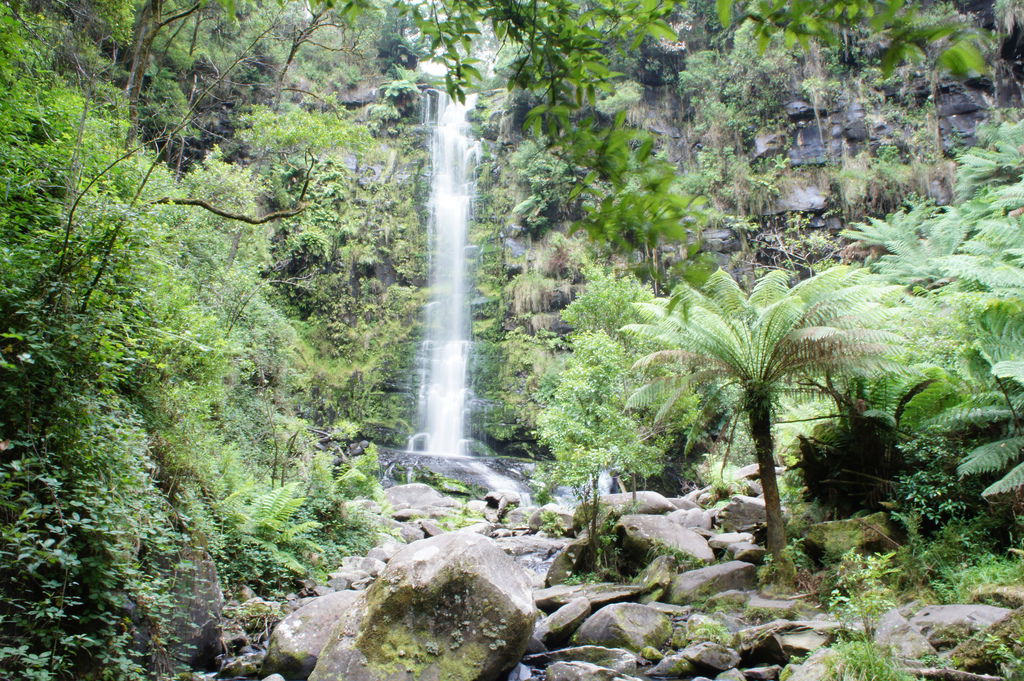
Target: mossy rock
{"points": [[982, 652], [452, 607], [625, 625], [875, 533]]}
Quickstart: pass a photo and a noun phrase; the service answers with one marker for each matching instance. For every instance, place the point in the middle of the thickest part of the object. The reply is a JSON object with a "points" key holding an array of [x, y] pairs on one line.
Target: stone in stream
{"points": [[763, 673], [703, 582], [625, 625], [731, 675], [453, 607], [618, 659], [296, 642], [566, 563], [584, 671], [643, 536], [556, 628]]}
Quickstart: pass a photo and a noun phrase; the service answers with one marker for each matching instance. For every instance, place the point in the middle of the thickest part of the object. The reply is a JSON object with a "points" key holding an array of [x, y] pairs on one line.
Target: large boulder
{"points": [[297, 640], [625, 625], [567, 562], [701, 583], [452, 607], [871, 534], [814, 668], [645, 536], [711, 655], [551, 518], [947, 625]]}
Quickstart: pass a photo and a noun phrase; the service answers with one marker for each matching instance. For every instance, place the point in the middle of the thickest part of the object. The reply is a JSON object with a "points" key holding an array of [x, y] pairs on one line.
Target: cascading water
{"points": [[443, 390], [444, 394]]}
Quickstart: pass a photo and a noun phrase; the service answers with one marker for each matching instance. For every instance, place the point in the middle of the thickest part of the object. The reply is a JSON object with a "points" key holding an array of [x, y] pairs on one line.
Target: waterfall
{"points": [[444, 391], [444, 394]]}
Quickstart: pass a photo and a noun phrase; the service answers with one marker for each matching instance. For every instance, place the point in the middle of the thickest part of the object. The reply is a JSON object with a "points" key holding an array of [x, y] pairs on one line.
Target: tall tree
{"points": [[763, 343]]}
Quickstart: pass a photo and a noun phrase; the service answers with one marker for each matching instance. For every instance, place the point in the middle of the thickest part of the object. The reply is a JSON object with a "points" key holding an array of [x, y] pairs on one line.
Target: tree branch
{"points": [[275, 215]]}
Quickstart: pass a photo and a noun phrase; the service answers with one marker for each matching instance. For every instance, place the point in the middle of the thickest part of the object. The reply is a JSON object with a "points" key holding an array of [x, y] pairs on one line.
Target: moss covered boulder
{"points": [[984, 652], [625, 625], [875, 533], [453, 608]]}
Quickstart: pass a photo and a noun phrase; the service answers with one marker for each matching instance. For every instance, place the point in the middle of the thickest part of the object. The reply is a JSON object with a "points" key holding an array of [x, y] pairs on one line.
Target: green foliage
{"points": [[864, 660], [607, 303], [862, 592]]}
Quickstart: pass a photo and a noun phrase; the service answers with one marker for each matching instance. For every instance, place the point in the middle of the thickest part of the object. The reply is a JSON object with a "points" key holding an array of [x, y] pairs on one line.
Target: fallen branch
{"points": [[950, 674]]}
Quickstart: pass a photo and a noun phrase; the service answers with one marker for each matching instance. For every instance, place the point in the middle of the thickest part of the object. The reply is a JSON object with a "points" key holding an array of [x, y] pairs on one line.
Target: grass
{"points": [[861, 660]]}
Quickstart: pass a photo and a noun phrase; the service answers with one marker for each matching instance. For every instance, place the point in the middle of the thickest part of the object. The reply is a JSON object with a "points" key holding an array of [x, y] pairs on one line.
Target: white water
{"points": [[444, 392], [444, 395]]}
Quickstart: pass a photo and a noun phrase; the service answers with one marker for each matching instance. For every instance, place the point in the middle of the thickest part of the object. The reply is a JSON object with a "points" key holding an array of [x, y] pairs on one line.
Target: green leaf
{"points": [[724, 11]]}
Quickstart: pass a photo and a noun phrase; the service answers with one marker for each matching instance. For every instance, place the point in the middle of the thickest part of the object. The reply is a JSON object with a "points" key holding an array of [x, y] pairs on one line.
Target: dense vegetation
{"points": [[212, 266]]}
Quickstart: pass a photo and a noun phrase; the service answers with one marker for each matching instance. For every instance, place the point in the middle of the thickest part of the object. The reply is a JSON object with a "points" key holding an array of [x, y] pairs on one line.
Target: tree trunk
{"points": [[760, 415]]}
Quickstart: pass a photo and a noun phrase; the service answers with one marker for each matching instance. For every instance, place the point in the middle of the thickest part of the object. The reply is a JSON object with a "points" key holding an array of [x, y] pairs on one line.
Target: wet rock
{"points": [[296, 642], [618, 659], [625, 625], [584, 671], [762, 673], [742, 514], [244, 665], [452, 607], [906, 640], [556, 628], [808, 147], [696, 584], [646, 535], [870, 534], [731, 675], [274, 677], [946, 625]]}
